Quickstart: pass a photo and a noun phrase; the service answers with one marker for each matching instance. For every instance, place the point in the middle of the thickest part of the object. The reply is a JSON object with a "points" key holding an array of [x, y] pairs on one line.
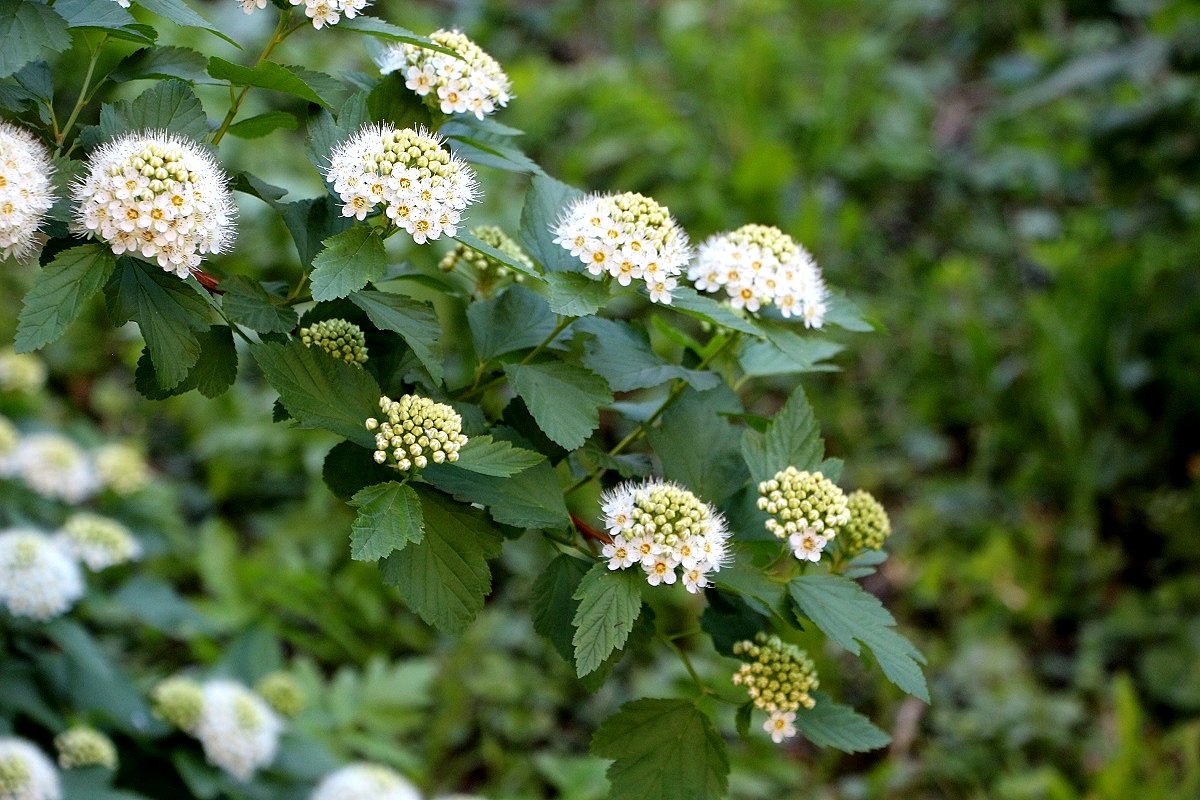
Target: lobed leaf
{"points": [[516, 320], [487, 456], [609, 603], [545, 203], [564, 399], [247, 303], [389, 519], [792, 439], [349, 262], [30, 31], [416, 322], [59, 293]]}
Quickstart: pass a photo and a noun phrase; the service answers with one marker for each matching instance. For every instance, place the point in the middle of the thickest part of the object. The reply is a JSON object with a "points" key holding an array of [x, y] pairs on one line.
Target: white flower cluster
{"points": [[417, 430], [760, 265], [365, 781], [423, 187], [26, 193], [321, 12], [807, 509], [55, 467], [26, 773], [37, 579], [122, 468], [628, 237], [473, 83], [21, 373], [98, 542], [236, 727], [157, 194], [660, 526]]}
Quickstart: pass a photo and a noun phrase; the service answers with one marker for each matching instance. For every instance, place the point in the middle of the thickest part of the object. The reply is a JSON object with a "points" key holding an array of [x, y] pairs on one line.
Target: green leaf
{"points": [[545, 203], [445, 577], [500, 459], [702, 307], [829, 724], [216, 369], [178, 12], [261, 125], [90, 14], [792, 439], [663, 750], [575, 294], [478, 245], [92, 681], [59, 293], [170, 105], [416, 322], [516, 320], [621, 354], [710, 464], [247, 303], [554, 604], [269, 75], [349, 467], [389, 519], [320, 391], [311, 222], [564, 399], [373, 26], [609, 604], [168, 311], [160, 62], [349, 261], [30, 32], [844, 312], [849, 615], [530, 499], [809, 354]]}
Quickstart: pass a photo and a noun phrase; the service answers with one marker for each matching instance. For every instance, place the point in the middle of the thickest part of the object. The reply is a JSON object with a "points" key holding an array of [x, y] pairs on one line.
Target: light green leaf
{"points": [[349, 261], [564, 399], [59, 293], [845, 313], [829, 724], [389, 519], [445, 577], [516, 320], [500, 459], [247, 303], [373, 26], [416, 322], [90, 14], [530, 499], [545, 203], [554, 602], [276, 77], [621, 354], [792, 439], [609, 603], [170, 105], [575, 294], [849, 615], [29, 31], [663, 750], [181, 14], [261, 125], [702, 307], [478, 245]]}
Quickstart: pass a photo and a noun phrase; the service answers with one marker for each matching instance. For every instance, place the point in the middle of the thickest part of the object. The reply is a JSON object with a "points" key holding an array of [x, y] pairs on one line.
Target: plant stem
{"points": [[60, 134], [687, 663], [477, 389], [281, 33]]}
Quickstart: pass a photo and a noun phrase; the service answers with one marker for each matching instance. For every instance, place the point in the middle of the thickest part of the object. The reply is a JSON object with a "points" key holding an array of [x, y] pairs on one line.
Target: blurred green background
{"points": [[1007, 188]]}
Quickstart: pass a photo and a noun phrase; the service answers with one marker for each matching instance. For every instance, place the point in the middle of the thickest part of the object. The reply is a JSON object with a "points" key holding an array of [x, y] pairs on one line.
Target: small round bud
{"points": [[343, 340], [417, 430], [869, 526]]}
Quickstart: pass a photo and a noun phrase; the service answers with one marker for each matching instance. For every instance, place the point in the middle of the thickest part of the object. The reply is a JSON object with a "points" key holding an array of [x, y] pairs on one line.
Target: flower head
{"points": [[417, 430], [758, 266], [488, 273], [82, 746], [282, 693], [423, 187], [341, 339], [779, 725], [122, 468], [178, 701], [779, 677], [627, 237], [661, 527], [26, 773], [806, 508], [37, 579], [364, 781], [20, 373], [26, 193], [473, 83], [869, 526], [159, 195], [238, 730], [98, 542], [55, 467]]}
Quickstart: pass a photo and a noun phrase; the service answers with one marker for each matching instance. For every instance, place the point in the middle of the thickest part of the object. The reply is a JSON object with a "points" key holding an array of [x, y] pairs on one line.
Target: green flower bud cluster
{"points": [[768, 237], [99, 542], [777, 676], [122, 468], [489, 274], [82, 746], [20, 373], [341, 339], [416, 149], [179, 701], [9, 439], [417, 431], [869, 526], [14, 775], [282, 693], [800, 501], [164, 166], [645, 215]]}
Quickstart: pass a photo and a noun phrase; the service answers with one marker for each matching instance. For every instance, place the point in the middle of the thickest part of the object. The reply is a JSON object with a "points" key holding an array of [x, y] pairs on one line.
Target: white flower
{"points": [[620, 554], [364, 781], [122, 468], [26, 192], [473, 83], [250, 6], [55, 467], [423, 187], [779, 725], [37, 579], [627, 237], [159, 195], [26, 773], [320, 12], [760, 265], [122, 3], [695, 579], [98, 542], [21, 373], [417, 431], [807, 545], [238, 730]]}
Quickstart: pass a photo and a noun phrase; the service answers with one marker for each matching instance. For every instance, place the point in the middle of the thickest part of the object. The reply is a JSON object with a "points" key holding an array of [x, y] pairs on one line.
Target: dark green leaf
{"points": [[564, 399], [247, 303], [500, 459], [160, 62], [389, 519], [349, 467], [829, 724], [575, 294], [373, 26], [269, 75], [170, 105], [311, 222], [792, 440], [155, 603], [530, 499], [702, 307], [416, 322], [93, 681], [30, 32], [710, 465], [349, 261], [609, 604], [90, 14], [216, 369], [59, 293], [475, 243], [843, 312], [545, 203], [261, 125], [622, 355], [516, 320], [554, 602], [178, 12]]}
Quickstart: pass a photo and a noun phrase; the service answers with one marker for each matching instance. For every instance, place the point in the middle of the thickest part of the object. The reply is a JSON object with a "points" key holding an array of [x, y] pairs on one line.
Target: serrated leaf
{"points": [[516, 320], [530, 499], [710, 465], [320, 391], [575, 294], [489, 153], [690, 302], [663, 750], [372, 26], [621, 354], [311, 222], [59, 293], [349, 467], [445, 577], [261, 125], [160, 62], [168, 312], [216, 368], [554, 604], [416, 322], [349, 262], [247, 303], [564, 399], [170, 105], [500, 459], [268, 75], [742, 718], [609, 604], [849, 615], [786, 352], [478, 245], [829, 724], [181, 14], [545, 203], [389, 519], [793, 439], [30, 31]]}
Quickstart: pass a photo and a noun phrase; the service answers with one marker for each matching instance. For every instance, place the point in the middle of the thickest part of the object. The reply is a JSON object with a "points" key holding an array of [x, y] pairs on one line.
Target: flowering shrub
{"points": [[496, 436]]}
